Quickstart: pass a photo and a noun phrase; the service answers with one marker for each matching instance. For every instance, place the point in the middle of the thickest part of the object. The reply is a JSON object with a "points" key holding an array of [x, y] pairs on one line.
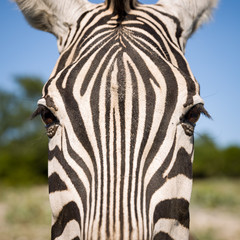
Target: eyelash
{"points": [[47, 116], [194, 113]]}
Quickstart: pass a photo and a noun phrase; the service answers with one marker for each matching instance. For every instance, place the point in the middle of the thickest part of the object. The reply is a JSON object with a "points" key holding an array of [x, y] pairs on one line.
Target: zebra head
{"points": [[120, 109]]}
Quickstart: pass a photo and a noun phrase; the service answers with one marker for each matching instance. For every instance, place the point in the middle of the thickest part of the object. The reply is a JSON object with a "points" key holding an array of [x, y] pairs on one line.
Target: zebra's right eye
{"points": [[51, 122], [47, 117]]}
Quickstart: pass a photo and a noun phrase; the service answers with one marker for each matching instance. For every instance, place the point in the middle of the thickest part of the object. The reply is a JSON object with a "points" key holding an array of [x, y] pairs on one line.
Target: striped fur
{"points": [[120, 161]]}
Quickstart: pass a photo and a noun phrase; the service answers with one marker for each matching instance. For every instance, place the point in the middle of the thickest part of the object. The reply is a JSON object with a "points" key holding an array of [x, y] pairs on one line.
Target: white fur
{"points": [[54, 16]]}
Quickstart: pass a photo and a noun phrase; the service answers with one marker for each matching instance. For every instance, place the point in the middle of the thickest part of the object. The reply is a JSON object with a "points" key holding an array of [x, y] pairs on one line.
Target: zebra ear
{"points": [[54, 16], [191, 13]]}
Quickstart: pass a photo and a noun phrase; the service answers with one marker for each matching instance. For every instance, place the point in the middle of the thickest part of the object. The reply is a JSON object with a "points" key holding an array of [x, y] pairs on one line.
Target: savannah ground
{"points": [[215, 211]]}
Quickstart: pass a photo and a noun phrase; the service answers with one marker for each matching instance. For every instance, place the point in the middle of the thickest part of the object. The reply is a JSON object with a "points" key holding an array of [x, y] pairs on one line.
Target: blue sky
{"points": [[213, 54]]}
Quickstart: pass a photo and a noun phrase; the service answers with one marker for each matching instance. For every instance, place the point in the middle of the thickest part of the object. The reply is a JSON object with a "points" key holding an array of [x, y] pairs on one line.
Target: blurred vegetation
{"points": [[217, 193], [23, 144], [212, 161], [25, 213], [215, 209]]}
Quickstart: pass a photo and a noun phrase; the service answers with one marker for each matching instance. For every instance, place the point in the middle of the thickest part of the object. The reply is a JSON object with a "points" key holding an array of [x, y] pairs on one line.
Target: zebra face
{"points": [[120, 109]]}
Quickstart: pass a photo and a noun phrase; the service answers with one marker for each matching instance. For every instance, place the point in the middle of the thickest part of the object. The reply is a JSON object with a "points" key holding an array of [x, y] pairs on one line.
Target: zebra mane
{"points": [[121, 7]]}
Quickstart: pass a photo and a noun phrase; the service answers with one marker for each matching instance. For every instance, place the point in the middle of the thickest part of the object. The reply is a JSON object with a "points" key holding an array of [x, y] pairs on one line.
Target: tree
{"points": [[231, 166], [206, 157], [212, 161]]}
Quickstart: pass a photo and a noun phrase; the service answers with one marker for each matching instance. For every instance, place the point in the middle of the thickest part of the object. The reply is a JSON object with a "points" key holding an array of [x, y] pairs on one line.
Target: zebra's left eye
{"points": [[190, 119], [51, 122], [193, 115]]}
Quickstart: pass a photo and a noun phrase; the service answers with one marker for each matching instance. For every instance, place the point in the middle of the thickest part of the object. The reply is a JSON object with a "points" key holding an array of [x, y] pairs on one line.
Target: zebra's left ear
{"points": [[191, 14], [54, 16]]}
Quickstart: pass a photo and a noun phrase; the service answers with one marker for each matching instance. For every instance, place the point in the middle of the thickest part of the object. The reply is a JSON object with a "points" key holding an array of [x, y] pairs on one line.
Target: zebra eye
{"points": [[189, 120], [194, 113], [47, 117], [51, 122]]}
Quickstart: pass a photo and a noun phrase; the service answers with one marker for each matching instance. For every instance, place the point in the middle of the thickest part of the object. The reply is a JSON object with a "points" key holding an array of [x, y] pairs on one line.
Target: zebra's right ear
{"points": [[54, 16]]}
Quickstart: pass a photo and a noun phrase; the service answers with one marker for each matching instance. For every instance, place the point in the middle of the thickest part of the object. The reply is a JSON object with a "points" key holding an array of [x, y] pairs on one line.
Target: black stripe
{"points": [[182, 165], [76, 181], [177, 209], [62, 76], [115, 216], [69, 212], [62, 61], [158, 180], [107, 127], [76, 238], [162, 236], [134, 127], [84, 167], [121, 80], [55, 183], [78, 160]]}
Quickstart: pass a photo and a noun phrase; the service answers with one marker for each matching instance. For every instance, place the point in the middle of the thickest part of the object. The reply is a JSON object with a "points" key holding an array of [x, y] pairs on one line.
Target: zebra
{"points": [[120, 108]]}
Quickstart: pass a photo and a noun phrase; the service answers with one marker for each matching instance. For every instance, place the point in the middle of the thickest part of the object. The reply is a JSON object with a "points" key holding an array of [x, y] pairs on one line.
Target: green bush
{"points": [[212, 161]]}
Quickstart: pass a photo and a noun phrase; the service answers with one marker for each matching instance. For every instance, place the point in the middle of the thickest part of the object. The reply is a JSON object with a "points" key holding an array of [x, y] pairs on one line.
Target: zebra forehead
{"points": [[108, 46]]}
